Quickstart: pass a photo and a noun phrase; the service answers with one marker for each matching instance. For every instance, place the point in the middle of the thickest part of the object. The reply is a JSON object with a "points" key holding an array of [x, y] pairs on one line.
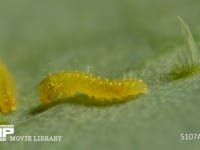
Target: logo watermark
{"points": [[6, 132]]}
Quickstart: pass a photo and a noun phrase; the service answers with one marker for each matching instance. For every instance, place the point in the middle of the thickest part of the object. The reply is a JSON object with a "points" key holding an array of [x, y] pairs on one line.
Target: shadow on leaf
{"points": [[80, 100]]}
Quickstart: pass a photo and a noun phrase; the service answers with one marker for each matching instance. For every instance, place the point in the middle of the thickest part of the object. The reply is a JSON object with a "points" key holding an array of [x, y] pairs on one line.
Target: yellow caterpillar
{"points": [[64, 84], [7, 90]]}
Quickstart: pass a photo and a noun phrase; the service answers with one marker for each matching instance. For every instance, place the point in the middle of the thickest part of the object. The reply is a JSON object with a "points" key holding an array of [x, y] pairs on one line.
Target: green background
{"points": [[113, 38]]}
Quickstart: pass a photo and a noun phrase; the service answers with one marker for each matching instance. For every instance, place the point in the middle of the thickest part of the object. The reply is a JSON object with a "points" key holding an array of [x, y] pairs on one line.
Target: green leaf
{"points": [[114, 39]]}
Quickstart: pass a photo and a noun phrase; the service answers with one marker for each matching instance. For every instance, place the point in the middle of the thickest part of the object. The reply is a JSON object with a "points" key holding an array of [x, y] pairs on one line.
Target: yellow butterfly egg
{"points": [[7, 90]]}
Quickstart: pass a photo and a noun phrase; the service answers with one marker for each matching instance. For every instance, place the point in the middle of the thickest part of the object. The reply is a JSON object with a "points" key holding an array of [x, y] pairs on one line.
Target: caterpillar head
{"points": [[47, 90]]}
